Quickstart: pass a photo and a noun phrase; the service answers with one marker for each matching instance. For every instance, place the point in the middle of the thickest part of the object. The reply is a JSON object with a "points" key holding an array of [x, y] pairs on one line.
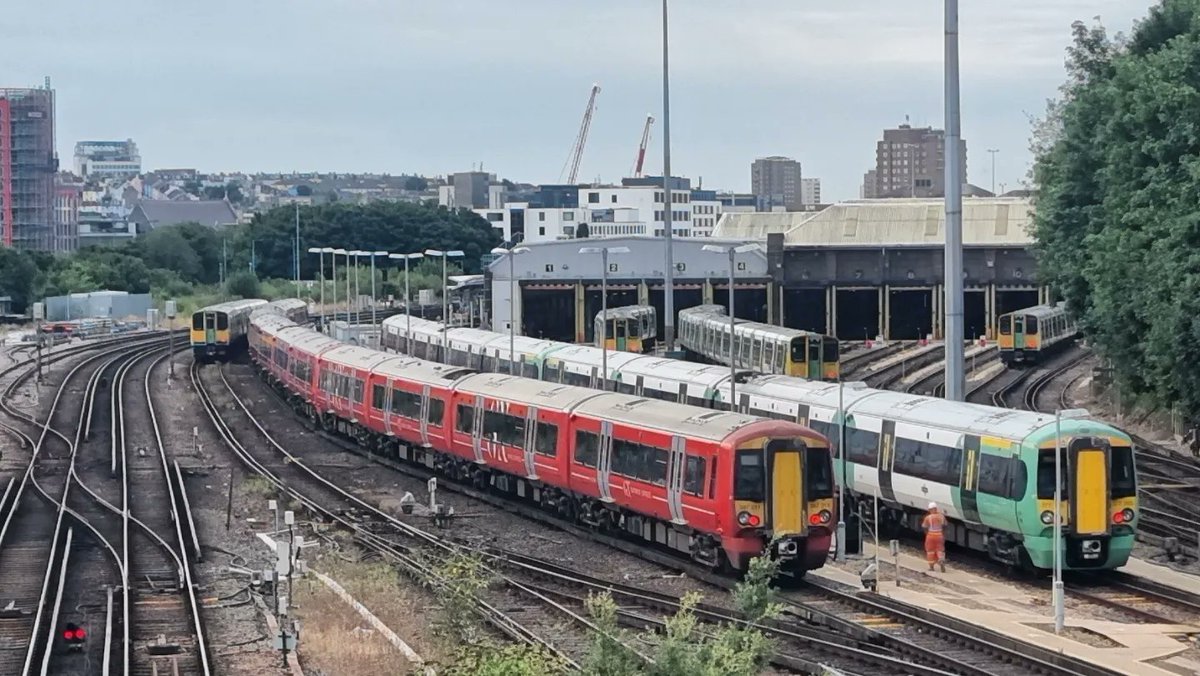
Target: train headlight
{"points": [[748, 519], [826, 516], [1123, 516], [1047, 517]]}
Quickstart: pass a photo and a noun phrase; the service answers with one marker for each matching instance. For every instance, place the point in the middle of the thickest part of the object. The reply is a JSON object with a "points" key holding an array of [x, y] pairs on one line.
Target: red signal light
{"points": [[80, 634], [814, 519], [68, 634], [754, 520]]}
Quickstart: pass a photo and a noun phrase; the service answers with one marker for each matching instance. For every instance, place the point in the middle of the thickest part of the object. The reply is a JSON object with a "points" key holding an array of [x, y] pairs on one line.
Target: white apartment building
{"points": [[810, 191], [99, 159]]}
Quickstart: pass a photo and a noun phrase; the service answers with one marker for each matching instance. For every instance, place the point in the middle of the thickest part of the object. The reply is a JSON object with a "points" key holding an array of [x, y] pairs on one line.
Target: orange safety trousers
{"points": [[935, 547]]}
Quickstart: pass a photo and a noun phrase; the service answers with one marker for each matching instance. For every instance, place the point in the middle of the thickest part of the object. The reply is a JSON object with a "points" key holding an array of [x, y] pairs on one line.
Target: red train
{"points": [[719, 487]]}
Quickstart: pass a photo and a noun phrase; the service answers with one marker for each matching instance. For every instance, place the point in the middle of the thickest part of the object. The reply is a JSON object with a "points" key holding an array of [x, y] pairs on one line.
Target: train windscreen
{"points": [[818, 474], [1124, 481], [198, 321], [830, 346], [1006, 325], [749, 477], [1031, 325], [798, 350], [222, 321]]}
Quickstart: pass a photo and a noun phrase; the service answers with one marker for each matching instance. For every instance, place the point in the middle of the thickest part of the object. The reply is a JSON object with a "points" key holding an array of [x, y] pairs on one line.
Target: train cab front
{"points": [[1098, 503], [782, 502]]}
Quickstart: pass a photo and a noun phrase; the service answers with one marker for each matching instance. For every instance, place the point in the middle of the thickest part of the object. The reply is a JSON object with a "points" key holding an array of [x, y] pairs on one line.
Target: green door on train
{"points": [[1018, 332]]}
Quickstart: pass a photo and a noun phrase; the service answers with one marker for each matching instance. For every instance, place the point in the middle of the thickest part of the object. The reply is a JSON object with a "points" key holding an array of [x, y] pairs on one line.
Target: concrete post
{"points": [[580, 313], [706, 292]]}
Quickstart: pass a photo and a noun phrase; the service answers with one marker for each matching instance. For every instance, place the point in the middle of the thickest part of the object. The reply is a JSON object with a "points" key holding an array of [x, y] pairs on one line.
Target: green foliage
{"points": [[184, 261], [686, 646], [491, 659], [243, 284], [416, 183], [1118, 178], [462, 579]]}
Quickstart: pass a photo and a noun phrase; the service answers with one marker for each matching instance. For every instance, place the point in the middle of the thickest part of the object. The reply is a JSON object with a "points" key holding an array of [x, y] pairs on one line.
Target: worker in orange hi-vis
{"points": [[935, 537]]}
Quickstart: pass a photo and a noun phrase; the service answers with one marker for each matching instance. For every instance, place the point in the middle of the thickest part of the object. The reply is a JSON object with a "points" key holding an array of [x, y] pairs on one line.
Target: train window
{"points": [[830, 345], [377, 395], [994, 475], [406, 404], [798, 350], [693, 476], [828, 431], [465, 418], [928, 461], [818, 472], [1120, 460], [1045, 475], [749, 477], [488, 364], [638, 461], [222, 321], [587, 448], [506, 429], [1031, 325], [359, 387], [863, 445], [1005, 325], [437, 411], [1018, 477], [577, 379], [198, 321], [814, 349], [530, 371], [550, 372], [546, 442]]}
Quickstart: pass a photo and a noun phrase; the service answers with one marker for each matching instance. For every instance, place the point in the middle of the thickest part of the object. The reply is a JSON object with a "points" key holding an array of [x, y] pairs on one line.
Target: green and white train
{"points": [[990, 470]]}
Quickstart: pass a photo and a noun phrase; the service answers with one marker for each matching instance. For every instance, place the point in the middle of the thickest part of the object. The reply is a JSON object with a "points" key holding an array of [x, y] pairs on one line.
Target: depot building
{"points": [[856, 269]]}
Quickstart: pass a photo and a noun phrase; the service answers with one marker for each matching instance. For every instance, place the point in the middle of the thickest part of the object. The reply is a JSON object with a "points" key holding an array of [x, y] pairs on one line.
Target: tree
{"points": [[304, 190], [244, 284], [18, 274], [1118, 182], [416, 183]]}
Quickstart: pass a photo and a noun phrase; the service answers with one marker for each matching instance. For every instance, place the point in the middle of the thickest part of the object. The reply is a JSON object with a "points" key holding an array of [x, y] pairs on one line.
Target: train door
{"points": [[812, 368], [969, 479], [620, 334], [389, 386], [531, 422], [477, 429], [675, 467], [785, 478], [604, 462], [425, 415], [1089, 486], [210, 327], [1018, 329]]}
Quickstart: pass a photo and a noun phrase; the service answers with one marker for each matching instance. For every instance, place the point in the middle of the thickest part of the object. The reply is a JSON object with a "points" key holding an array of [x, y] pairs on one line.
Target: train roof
{"points": [[528, 391], [309, 341], [234, 305], [424, 372], [716, 314], [708, 375], [1040, 311], [665, 416], [628, 311], [353, 356], [902, 407], [588, 356], [271, 323], [283, 306], [399, 323]]}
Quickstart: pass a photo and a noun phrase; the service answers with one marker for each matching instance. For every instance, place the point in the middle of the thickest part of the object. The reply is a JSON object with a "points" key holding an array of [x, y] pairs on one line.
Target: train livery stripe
{"points": [[969, 479], [887, 448]]}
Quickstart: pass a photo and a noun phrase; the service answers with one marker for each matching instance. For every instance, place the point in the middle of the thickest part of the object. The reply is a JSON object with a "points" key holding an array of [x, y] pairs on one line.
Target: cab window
{"points": [[798, 350], [1031, 326], [818, 473], [1005, 325], [831, 348], [222, 321], [1124, 484], [749, 477], [198, 321], [1045, 475]]}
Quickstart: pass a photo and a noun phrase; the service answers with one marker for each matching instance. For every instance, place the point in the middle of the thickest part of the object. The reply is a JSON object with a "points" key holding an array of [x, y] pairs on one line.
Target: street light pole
{"points": [[374, 300], [349, 289], [1059, 593], [604, 251], [320, 271], [733, 251], [407, 296], [512, 303], [334, 253], [669, 272], [296, 250], [445, 255], [993, 151]]}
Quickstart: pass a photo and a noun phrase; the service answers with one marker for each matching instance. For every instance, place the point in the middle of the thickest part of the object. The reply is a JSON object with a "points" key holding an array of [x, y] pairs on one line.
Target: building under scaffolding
{"points": [[27, 167]]}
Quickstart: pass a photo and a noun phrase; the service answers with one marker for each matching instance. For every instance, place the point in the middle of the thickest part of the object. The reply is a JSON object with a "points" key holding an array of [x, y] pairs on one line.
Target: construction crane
{"points": [[641, 156], [581, 140]]}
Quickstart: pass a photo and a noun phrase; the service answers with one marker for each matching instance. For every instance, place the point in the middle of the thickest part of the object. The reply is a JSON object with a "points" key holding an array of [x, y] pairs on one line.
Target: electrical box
{"points": [[426, 297]]}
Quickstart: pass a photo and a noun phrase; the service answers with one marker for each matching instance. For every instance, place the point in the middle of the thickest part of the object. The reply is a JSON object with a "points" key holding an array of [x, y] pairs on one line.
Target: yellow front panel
{"points": [[796, 369], [1032, 342], [197, 337], [787, 494], [1091, 492], [1006, 342], [831, 370], [223, 337]]}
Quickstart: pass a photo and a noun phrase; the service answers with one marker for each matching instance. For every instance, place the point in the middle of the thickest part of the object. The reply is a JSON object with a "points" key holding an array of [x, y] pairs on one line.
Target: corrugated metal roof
{"points": [[1000, 221]]}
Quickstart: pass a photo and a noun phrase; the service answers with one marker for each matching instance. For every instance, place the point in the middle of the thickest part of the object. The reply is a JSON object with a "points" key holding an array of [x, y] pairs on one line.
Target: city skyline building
{"points": [[28, 164]]}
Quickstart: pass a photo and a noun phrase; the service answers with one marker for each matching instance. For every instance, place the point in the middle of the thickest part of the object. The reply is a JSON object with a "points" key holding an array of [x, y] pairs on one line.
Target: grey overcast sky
{"points": [[435, 87]]}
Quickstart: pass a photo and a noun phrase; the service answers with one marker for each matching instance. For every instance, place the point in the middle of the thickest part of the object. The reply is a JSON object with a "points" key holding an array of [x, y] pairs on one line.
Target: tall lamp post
{"points": [[732, 251], [374, 300], [321, 271], [336, 253], [350, 285], [333, 260], [604, 251], [1059, 595], [512, 302], [358, 282], [445, 294], [407, 296], [992, 152]]}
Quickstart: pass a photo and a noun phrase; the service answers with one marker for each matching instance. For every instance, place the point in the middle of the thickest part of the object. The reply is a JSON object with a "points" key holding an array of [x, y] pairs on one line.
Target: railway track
{"points": [[856, 362], [953, 649], [84, 540], [887, 376]]}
